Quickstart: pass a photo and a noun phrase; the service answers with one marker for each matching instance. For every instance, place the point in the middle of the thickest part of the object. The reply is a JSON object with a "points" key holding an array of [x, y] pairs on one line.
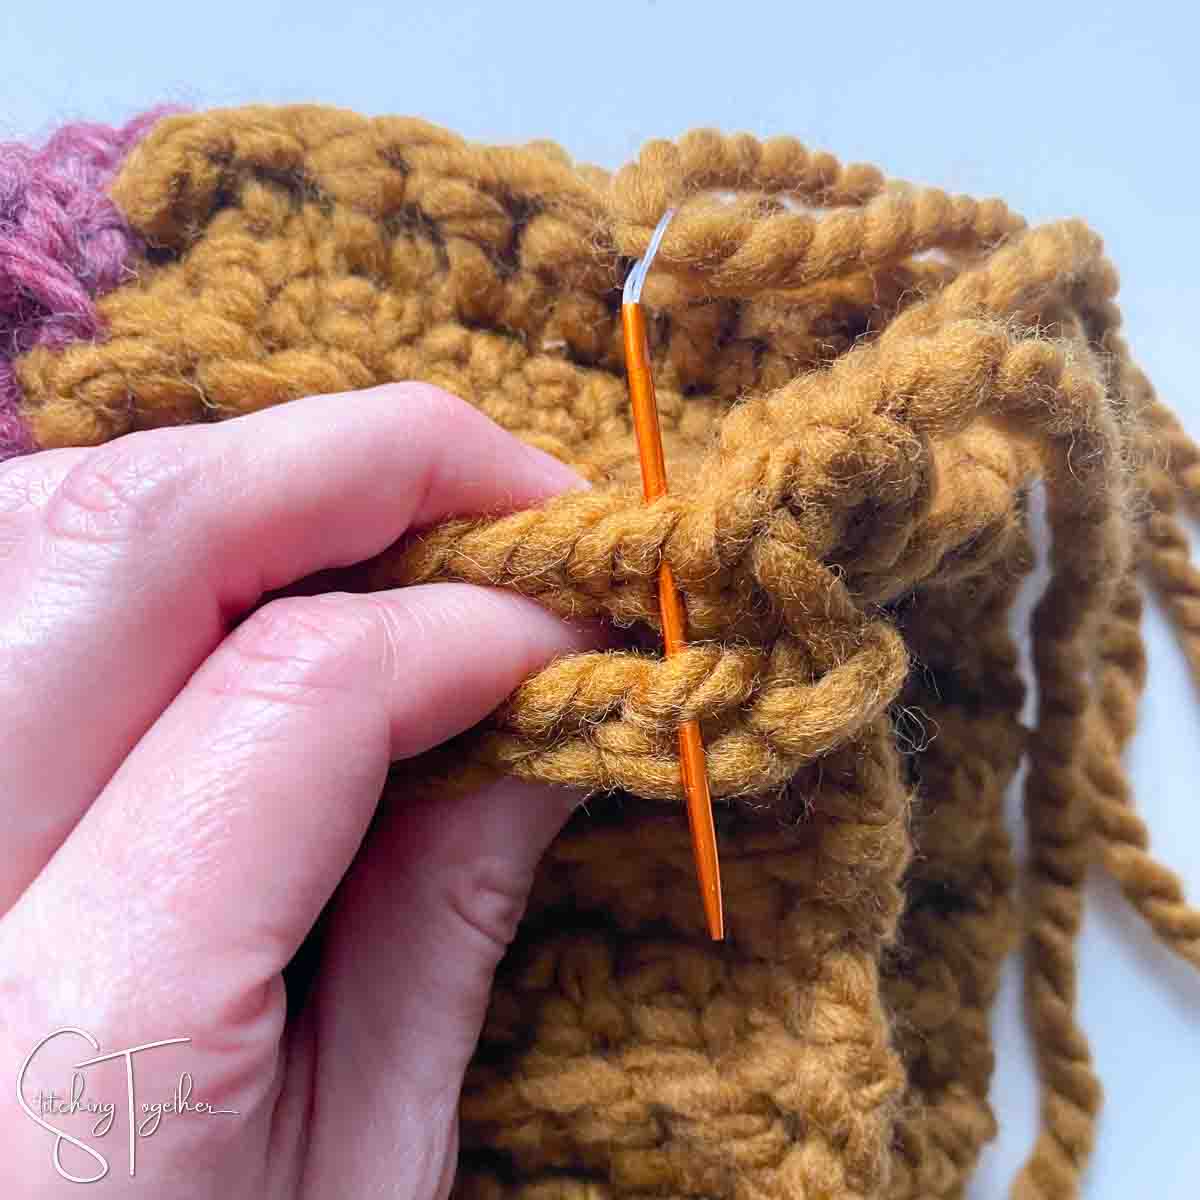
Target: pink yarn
{"points": [[63, 243]]}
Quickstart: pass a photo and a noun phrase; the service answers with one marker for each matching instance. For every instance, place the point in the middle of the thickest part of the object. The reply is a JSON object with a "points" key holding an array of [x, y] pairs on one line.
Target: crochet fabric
{"points": [[860, 383]]}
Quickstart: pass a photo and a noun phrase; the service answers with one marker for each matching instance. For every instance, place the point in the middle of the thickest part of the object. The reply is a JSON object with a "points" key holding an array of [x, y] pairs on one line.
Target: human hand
{"points": [[181, 797]]}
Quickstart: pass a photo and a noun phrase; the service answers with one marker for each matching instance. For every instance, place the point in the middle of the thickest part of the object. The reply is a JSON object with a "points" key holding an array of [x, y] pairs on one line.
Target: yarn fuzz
{"points": [[860, 383]]}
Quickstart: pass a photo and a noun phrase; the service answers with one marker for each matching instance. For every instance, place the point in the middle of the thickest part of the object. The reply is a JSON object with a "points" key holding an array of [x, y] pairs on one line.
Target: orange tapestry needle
{"points": [[654, 485]]}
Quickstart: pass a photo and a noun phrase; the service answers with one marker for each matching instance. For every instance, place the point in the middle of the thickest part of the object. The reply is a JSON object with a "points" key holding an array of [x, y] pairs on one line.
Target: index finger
{"points": [[150, 546]]}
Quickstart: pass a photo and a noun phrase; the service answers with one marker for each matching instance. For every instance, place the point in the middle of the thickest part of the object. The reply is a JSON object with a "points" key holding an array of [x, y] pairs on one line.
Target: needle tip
{"points": [[632, 293]]}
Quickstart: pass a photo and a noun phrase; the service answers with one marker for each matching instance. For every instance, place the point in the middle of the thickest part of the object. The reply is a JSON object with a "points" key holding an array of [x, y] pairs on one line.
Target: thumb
{"points": [[423, 919]]}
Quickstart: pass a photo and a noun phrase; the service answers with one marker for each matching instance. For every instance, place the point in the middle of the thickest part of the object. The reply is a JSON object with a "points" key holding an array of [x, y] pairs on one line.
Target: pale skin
{"points": [[184, 787]]}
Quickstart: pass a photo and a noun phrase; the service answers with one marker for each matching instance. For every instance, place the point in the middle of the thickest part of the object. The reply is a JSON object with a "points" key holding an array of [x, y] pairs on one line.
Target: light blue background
{"points": [[1062, 109]]}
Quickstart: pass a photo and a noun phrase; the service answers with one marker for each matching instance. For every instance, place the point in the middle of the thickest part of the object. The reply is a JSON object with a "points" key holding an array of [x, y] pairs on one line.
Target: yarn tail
{"points": [[1169, 480], [1086, 812]]}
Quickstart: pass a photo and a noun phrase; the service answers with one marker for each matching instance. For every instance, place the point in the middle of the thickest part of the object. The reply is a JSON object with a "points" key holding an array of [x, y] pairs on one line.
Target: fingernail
{"points": [[557, 475]]}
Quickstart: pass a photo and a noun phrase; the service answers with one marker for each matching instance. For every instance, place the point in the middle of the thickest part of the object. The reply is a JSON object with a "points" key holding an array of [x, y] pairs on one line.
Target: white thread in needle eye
{"points": [[632, 293]]}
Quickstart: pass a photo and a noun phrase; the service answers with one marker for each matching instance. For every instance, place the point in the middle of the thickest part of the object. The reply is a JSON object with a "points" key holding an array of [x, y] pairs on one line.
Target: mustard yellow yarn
{"points": [[860, 382]]}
